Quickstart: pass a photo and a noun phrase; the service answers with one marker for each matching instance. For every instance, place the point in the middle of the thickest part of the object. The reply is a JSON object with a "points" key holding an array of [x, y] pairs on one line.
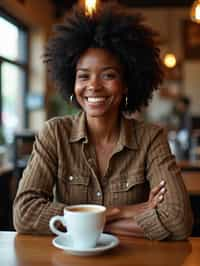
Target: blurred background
{"points": [[27, 99]]}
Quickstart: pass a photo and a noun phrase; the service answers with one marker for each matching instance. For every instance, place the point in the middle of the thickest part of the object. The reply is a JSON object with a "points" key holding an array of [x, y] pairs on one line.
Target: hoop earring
{"points": [[126, 101], [71, 98]]}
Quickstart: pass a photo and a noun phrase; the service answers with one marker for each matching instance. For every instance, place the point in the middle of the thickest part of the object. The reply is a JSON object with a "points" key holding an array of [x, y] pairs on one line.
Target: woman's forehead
{"points": [[94, 57]]}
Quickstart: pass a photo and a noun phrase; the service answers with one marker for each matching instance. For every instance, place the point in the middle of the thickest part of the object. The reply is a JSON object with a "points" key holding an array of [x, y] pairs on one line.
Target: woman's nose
{"points": [[94, 85]]}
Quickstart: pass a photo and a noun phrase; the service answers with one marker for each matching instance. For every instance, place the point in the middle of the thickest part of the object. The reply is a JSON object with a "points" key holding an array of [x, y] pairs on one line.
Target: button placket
{"points": [[91, 163]]}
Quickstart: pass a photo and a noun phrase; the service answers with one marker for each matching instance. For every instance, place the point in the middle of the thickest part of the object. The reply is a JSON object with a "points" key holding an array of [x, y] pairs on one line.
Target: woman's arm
{"points": [[33, 205], [174, 213], [121, 220], [172, 218]]}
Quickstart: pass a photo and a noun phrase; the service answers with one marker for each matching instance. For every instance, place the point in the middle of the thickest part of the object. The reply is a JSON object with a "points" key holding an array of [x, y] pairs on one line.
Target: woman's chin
{"points": [[96, 113]]}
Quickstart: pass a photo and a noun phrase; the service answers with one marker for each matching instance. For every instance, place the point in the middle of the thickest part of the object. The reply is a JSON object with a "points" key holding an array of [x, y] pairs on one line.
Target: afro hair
{"points": [[120, 32]]}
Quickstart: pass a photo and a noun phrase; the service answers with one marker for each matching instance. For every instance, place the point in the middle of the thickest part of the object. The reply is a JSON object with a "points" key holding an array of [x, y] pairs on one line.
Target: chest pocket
{"points": [[128, 189], [76, 189]]}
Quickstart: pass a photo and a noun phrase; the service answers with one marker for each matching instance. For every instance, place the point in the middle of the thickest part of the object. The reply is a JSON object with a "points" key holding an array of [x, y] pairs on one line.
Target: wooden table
{"points": [[192, 182], [26, 250], [187, 165]]}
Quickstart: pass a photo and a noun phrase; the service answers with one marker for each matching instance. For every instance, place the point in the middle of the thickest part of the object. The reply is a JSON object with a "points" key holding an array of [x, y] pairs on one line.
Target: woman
{"points": [[107, 64]]}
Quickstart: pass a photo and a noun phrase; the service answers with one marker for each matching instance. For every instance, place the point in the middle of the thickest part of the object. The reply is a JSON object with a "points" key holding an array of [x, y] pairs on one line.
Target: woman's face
{"points": [[99, 86]]}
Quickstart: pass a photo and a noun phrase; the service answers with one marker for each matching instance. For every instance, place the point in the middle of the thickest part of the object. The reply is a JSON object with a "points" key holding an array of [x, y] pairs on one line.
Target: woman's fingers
{"points": [[157, 195], [160, 196], [112, 214], [156, 190]]}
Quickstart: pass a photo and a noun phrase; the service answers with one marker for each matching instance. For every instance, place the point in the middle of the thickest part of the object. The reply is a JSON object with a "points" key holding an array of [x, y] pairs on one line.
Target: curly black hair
{"points": [[118, 31]]}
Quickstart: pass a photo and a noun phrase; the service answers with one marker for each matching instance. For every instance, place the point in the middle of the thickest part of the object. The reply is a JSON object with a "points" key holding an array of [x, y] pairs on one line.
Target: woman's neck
{"points": [[103, 130]]}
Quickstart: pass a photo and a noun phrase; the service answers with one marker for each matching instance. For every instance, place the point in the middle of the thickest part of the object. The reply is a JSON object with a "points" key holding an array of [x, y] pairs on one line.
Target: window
{"points": [[13, 75]]}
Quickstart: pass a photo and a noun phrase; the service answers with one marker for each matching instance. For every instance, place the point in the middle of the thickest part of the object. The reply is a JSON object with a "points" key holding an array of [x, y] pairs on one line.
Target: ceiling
{"points": [[62, 5]]}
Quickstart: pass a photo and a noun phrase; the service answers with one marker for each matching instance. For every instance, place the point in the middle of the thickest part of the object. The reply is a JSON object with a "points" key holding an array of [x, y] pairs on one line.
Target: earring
{"points": [[71, 98], [126, 101]]}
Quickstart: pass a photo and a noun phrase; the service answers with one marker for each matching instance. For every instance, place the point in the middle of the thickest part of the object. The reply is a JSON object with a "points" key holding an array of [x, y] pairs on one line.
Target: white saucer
{"points": [[106, 242]]}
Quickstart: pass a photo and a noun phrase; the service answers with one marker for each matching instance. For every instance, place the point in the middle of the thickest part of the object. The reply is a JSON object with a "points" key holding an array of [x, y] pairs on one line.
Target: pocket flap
{"points": [[76, 180], [127, 183]]}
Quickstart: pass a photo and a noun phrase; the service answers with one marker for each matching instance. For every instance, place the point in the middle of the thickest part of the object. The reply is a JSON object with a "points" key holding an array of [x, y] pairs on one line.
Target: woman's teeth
{"points": [[96, 99]]}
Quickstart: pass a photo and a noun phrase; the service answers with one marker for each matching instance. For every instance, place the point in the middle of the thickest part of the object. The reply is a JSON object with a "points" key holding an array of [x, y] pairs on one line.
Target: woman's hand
{"points": [[121, 220], [112, 213], [156, 196]]}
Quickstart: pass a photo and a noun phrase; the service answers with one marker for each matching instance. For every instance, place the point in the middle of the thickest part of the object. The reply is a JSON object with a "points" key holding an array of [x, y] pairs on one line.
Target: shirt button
{"points": [[71, 177], [90, 160], [98, 194]]}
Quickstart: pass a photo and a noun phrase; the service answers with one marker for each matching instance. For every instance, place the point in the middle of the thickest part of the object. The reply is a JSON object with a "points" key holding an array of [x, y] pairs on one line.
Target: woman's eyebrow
{"points": [[82, 69], [111, 68]]}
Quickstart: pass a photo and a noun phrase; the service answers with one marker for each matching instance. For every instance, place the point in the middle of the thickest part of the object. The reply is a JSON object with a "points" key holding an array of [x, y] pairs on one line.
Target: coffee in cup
{"points": [[84, 224], [84, 209]]}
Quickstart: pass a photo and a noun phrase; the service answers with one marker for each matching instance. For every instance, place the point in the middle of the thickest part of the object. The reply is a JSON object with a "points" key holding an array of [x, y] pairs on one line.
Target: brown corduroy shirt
{"points": [[62, 171]]}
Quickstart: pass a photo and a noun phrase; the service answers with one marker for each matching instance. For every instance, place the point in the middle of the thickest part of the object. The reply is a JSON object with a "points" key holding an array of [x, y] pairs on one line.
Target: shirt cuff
{"points": [[42, 223], [151, 225]]}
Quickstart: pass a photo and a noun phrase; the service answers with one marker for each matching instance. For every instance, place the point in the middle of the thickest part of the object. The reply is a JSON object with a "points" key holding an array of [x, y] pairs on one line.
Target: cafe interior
{"points": [[28, 99]]}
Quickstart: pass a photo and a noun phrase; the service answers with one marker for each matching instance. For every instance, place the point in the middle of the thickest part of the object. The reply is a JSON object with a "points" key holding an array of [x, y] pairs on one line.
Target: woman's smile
{"points": [[96, 99]]}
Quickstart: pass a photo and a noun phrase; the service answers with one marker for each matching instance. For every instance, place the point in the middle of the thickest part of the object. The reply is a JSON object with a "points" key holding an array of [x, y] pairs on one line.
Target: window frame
{"points": [[22, 65]]}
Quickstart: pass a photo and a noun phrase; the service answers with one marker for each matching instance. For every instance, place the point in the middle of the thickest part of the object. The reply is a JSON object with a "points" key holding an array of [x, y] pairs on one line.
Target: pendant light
{"points": [[195, 11], [90, 7], [169, 59]]}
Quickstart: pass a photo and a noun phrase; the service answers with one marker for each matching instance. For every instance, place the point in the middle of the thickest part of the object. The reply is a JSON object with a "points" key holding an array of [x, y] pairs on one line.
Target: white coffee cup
{"points": [[84, 223]]}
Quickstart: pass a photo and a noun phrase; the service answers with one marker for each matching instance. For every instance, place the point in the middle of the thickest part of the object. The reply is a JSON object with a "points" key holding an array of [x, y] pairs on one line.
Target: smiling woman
{"points": [[110, 63]]}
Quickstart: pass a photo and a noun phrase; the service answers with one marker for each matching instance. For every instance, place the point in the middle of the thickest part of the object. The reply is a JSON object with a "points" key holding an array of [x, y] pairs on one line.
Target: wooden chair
{"points": [[23, 145]]}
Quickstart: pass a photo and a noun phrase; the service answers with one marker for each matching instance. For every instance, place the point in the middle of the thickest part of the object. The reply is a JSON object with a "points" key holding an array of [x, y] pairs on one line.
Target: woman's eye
{"points": [[109, 75], [82, 76]]}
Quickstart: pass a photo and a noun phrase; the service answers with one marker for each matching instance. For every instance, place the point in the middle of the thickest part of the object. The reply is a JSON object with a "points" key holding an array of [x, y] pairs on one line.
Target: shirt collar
{"points": [[127, 135], [79, 130]]}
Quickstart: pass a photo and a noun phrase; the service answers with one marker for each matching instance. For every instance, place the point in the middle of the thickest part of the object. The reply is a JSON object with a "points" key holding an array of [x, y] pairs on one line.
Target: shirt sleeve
{"points": [[172, 219], [33, 206]]}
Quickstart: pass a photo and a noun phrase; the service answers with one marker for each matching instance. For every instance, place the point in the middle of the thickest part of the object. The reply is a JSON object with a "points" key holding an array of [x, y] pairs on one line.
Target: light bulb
{"points": [[195, 11], [170, 60], [90, 7]]}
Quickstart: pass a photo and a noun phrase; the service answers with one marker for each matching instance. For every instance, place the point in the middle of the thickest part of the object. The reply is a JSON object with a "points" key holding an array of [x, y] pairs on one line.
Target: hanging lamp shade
{"points": [[195, 11]]}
